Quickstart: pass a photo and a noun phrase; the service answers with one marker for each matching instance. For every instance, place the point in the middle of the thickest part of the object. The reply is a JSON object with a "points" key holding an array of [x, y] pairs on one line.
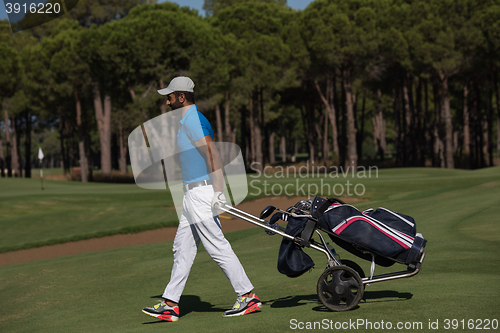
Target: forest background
{"points": [[340, 83]]}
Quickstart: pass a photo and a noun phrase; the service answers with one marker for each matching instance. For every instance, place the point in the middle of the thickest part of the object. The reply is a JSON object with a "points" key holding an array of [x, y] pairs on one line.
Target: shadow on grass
{"points": [[385, 296], [188, 304], [192, 303], [368, 297], [292, 301]]}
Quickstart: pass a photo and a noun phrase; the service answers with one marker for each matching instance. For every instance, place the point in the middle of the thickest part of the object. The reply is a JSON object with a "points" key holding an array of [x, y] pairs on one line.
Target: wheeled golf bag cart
{"points": [[381, 236]]}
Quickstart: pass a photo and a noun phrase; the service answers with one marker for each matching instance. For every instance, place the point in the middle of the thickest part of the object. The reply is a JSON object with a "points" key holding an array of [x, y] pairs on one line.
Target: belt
{"points": [[190, 186]]}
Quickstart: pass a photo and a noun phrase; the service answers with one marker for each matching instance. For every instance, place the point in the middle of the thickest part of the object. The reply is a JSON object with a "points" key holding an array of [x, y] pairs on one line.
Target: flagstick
{"points": [[40, 157], [41, 175]]}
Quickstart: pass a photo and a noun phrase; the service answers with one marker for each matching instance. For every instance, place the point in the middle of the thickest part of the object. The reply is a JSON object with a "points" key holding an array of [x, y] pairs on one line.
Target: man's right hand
{"points": [[219, 200]]}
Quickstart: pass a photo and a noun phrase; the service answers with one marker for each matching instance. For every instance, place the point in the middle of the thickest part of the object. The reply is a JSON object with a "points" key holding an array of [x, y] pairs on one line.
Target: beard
{"points": [[175, 105]]}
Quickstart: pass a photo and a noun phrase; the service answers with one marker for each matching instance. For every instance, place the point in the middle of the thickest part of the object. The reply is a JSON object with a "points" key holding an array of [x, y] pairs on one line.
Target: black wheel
{"points": [[340, 288], [354, 266]]}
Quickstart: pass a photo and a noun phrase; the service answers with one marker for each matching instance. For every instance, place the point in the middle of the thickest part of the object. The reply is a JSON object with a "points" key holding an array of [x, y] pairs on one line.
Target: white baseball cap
{"points": [[180, 83]]}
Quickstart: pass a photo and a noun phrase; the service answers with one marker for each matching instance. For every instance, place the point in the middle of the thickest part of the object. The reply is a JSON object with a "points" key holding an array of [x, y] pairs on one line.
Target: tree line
{"points": [[348, 82]]}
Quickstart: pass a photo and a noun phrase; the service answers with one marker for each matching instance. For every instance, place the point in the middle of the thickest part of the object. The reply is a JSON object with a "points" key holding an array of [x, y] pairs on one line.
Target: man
{"points": [[199, 221]]}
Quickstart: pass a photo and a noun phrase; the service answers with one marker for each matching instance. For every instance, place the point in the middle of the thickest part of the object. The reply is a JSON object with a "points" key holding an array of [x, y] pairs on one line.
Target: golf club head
{"points": [[267, 211], [303, 205]]}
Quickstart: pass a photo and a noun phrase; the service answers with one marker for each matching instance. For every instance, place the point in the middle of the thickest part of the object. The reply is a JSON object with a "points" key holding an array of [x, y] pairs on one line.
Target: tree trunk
{"points": [[326, 147], [426, 119], [448, 126], [309, 118], [251, 131], [319, 133], [143, 112], [282, 140], [27, 146], [412, 128], [485, 141], [343, 125], [332, 97], [489, 132], [81, 143], [406, 122], [64, 155], [361, 133], [396, 105], [379, 128], [2, 158], [272, 155], [305, 128], [418, 141], [106, 144], [256, 134], [257, 130], [244, 134], [88, 149], [122, 162], [103, 119], [218, 120], [328, 101], [8, 141], [436, 161], [229, 132], [466, 120], [352, 157], [219, 138], [479, 129], [70, 147], [16, 163], [473, 116], [497, 98], [264, 128], [498, 134], [483, 123], [115, 151]]}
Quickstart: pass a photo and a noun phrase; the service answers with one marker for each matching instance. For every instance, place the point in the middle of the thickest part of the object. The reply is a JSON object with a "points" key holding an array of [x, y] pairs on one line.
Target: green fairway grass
{"points": [[68, 211], [104, 291]]}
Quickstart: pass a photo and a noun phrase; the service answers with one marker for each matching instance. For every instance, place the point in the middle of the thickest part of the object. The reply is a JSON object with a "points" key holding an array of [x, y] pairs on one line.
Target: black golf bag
{"points": [[382, 236], [292, 261]]}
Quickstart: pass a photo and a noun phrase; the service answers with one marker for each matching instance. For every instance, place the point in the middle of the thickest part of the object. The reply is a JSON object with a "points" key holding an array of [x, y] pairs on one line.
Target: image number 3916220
{"points": [[27, 14]]}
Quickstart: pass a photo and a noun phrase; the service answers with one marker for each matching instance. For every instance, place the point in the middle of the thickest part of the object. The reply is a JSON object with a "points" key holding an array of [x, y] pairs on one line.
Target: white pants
{"points": [[198, 223]]}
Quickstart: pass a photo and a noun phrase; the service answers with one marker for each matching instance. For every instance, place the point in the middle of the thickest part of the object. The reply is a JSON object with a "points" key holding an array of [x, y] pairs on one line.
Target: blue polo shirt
{"points": [[193, 127]]}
